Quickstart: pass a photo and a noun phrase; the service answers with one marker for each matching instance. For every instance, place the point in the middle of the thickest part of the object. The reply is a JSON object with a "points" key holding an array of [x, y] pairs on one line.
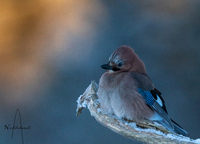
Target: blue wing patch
{"points": [[152, 96], [147, 96], [156, 103]]}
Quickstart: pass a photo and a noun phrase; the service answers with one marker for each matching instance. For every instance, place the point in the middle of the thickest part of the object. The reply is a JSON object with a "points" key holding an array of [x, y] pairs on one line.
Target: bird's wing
{"points": [[157, 96], [152, 96], [156, 103]]}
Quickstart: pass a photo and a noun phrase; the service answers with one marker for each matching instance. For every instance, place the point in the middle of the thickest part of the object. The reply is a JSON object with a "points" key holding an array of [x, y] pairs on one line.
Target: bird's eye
{"points": [[120, 64]]}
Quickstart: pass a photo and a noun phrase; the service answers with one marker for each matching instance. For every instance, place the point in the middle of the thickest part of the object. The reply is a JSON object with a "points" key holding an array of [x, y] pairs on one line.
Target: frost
{"points": [[143, 131], [197, 141]]}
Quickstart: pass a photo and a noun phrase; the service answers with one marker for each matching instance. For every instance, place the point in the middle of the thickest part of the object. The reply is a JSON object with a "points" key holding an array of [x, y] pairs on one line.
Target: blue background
{"points": [[51, 50]]}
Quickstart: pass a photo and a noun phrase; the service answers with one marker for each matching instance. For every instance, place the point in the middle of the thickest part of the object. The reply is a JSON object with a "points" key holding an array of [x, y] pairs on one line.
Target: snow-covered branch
{"points": [[143, 131]]}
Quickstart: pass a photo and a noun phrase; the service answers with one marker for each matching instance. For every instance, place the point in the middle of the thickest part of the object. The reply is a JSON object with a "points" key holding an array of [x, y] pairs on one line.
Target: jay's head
{"points": [[124, 59]]}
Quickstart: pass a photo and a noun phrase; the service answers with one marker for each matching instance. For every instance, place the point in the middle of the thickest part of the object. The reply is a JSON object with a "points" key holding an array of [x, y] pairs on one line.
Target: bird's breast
{"points": [[119, 95], [116, 85]]}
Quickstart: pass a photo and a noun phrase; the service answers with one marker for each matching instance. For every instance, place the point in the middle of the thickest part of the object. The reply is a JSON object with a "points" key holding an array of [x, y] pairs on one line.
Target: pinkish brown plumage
{"points": [[129, 58], [126, 91]]}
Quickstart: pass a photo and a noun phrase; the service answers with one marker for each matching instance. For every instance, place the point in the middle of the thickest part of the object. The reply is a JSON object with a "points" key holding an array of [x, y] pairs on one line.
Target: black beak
{"points": [[107, 67]]}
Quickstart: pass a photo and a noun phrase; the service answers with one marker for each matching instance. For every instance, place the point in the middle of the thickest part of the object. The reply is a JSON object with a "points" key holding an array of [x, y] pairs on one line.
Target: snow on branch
{"points": [[143, 131]]}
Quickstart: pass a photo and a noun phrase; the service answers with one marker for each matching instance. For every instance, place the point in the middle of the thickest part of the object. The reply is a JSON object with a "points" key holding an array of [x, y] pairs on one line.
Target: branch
{"points": [[143, 131]]}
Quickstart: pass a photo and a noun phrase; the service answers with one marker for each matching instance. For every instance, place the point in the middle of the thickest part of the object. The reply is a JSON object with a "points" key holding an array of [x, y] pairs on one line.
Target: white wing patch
{"points": [[159, 101]]}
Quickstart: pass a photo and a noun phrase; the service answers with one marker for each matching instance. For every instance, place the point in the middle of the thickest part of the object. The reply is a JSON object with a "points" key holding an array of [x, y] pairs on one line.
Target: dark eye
{"points": [[120, 64]]}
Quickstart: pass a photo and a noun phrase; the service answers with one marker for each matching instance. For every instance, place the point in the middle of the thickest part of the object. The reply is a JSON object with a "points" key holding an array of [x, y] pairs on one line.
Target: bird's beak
{"points": [[107, 67]]}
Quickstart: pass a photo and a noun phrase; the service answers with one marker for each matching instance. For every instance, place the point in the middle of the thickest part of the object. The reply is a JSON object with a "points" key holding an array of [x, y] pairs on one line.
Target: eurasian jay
{"points": [[127, 91]]}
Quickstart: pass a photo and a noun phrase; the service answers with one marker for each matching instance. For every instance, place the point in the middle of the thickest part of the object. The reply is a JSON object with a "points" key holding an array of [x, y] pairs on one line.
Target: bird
{"points": [[126, 91]]}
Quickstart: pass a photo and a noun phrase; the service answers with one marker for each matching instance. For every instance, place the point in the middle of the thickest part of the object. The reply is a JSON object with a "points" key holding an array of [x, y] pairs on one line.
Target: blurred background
{"points": [[51, 50]]}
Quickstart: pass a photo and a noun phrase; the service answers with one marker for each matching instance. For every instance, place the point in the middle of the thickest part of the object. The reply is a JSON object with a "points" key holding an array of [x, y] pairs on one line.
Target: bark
{"points": [[143, 131]]}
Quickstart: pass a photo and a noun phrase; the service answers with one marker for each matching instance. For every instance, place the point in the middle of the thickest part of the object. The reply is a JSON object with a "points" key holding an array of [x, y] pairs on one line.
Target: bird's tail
{"points": [[178, 129], [175, 128]]}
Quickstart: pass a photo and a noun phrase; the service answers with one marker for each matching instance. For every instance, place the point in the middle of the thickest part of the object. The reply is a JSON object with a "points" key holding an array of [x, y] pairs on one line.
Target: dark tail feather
{"points": [[179, 130]]}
